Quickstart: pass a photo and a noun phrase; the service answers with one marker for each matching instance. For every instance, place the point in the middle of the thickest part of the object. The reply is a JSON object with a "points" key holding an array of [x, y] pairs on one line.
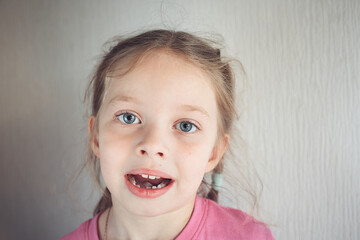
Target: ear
{"points": [[93, 136], [217, 153]]}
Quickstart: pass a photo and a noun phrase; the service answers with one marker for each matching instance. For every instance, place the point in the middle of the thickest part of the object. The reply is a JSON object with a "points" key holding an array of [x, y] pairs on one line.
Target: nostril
{"points": [[143, 152]]}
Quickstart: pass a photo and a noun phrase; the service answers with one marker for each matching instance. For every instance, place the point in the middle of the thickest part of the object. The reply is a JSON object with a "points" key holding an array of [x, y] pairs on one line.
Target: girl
{"points": [[162, 110]]}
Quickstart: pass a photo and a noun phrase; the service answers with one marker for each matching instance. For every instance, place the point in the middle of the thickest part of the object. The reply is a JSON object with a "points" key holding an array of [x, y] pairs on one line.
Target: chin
{"points": [[149, 210]]}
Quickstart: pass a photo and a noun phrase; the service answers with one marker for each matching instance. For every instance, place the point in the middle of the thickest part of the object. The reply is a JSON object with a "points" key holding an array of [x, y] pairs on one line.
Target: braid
{"points": [[216, 177], [104, 202]]}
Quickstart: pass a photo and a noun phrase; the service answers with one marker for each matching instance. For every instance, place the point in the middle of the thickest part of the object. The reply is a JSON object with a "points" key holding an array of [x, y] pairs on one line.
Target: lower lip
{"points": [[147, 193]]}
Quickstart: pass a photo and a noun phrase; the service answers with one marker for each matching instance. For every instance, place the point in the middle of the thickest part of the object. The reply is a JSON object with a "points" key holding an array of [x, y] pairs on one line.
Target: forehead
{"points": [[163, 75]]}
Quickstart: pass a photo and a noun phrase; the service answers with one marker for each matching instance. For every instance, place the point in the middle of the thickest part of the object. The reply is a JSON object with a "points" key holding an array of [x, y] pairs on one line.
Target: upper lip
{"points": [[152, 172]]}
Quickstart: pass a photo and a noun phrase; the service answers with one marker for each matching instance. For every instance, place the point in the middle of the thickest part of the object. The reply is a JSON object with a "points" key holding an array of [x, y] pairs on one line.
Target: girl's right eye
{"points": [[128, 118]]}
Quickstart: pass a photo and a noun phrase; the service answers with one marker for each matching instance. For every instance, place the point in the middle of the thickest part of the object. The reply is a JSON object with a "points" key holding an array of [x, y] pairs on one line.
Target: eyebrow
{"points": [[122, 98], [194, 108], [185, 107]]}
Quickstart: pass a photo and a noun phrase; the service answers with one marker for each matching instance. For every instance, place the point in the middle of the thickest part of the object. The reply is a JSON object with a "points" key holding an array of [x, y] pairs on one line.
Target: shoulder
{"points": [[233, 223], [88, 230]]}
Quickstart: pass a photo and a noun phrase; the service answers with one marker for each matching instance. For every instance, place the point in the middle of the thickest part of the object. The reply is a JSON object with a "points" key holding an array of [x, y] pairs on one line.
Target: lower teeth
{"points": [[148, 185], [161, 185]]}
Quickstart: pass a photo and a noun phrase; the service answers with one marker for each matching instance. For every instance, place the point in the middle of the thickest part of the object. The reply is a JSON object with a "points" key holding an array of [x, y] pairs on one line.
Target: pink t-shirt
{"points": [[208, 221]]}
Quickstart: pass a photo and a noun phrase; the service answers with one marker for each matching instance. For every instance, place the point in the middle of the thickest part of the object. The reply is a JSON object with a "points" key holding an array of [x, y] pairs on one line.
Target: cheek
{"points": [[114, 150], [192, 162]]}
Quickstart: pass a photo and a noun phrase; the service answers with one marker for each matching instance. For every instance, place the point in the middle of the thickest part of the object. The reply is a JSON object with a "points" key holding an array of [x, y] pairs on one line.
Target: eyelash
{"points": [[127, 112], [139, 121], [187, 121]]}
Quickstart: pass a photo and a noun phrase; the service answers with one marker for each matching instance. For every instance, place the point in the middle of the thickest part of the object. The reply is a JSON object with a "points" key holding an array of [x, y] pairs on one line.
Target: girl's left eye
{"points": [[186, 127], [128, 118]]}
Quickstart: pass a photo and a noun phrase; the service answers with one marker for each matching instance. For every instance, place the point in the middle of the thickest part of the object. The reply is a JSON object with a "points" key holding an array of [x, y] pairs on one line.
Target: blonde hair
{"points": [[124, 55]]}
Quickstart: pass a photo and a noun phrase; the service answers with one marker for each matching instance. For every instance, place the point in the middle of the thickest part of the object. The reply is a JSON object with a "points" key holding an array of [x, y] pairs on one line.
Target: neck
{"points": [[124, 225]]}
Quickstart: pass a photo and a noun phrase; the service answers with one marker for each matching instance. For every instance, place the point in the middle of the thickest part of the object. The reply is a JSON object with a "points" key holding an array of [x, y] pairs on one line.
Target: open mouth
{"points": [[145, 181]]}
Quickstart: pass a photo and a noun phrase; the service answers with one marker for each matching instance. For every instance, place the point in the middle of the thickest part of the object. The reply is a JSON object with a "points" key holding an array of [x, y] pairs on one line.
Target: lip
{"points": [[148, 193], [148, 171]]}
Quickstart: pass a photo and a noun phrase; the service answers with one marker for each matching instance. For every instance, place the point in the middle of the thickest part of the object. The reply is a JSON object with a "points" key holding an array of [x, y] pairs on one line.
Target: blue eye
{"points": [[128, 118], [186, 127]]}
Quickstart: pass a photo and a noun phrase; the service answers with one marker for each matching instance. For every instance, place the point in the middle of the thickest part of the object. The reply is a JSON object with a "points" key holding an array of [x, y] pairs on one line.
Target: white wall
{"points": [[302, 127]]}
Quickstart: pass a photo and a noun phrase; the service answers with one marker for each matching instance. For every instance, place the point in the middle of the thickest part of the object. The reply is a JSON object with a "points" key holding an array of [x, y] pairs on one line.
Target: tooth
{"points": [[132, 180], [144, 175], [138, 186], [161, 185], [153, 187], [152, 177], [147, 185], [156, 177]]}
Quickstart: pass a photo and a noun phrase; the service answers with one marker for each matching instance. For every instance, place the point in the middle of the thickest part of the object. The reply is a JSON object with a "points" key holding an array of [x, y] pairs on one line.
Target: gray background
{"points": [[302, 124]]}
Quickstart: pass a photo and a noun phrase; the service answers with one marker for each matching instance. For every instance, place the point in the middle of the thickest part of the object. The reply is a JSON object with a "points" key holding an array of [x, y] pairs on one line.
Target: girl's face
{"points": [[157, 130]]}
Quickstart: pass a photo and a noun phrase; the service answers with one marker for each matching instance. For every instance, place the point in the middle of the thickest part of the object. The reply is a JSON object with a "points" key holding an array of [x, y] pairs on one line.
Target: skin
{"points": [[162, 91]]}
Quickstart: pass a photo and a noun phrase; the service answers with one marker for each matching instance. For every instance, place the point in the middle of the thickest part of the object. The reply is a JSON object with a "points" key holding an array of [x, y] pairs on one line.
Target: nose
{"points": [[152, 144]]}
